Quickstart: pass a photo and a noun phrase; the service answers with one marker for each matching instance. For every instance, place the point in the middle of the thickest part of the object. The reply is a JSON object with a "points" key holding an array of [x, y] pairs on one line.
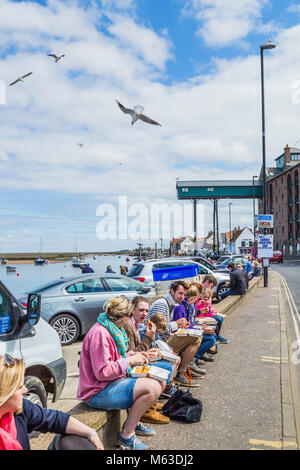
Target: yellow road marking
{"points": [[290, 444], [275, 444]]}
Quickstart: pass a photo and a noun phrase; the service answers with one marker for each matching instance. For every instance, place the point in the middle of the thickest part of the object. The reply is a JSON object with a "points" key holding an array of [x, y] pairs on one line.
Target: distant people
{"points": [[86, 269], [19, 417], [248, 266], [257, 269], [109, 270], [123, 270], [240, 267], [237, 284]]}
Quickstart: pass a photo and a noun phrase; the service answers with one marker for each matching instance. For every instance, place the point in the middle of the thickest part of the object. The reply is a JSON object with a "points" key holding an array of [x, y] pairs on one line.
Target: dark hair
{"points": [[231, 265], [210, 278], [174, 286]]}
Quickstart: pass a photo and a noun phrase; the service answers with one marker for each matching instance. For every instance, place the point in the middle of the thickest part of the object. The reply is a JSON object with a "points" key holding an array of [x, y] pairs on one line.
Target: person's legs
{"points": [[208, 341], [145, 393], [186, 346], [228, 292]]}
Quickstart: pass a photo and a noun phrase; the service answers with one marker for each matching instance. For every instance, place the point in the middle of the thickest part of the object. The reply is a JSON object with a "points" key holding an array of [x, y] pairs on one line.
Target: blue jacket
{"points": [[35, 418], [248, 267]]}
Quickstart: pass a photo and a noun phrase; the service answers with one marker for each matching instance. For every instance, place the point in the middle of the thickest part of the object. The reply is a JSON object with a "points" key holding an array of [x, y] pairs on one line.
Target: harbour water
{"points": [[29, 276]]}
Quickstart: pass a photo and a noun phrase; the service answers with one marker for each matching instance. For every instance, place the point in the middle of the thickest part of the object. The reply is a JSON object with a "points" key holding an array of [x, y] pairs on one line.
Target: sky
{"points": [[194, 65]]}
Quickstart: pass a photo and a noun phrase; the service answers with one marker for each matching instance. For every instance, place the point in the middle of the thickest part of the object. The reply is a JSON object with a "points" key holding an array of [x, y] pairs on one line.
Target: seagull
{"points": [[81, 145], [56, 58], [136, 114], [20, 79]]}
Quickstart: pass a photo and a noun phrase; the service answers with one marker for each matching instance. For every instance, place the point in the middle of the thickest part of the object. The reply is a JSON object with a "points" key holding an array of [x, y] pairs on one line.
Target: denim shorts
{"points": [[118, 395]]}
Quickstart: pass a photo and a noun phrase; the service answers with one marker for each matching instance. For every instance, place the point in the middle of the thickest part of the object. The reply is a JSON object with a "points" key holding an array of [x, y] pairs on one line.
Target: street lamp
{"points": [[253, 193], [229, 206], [269, 45]]}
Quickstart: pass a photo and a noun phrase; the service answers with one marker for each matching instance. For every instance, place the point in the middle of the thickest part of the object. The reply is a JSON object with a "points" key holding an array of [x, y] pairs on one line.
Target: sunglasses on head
{"points": [[7, 360]]}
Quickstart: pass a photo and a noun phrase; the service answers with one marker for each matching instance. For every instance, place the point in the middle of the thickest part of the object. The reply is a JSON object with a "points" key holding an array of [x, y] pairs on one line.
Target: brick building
{"points": [[282, 195]]}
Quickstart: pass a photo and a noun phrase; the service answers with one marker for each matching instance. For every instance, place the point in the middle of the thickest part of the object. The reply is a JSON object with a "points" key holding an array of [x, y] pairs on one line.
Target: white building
{"points": [[241, 241], [187, 246]]}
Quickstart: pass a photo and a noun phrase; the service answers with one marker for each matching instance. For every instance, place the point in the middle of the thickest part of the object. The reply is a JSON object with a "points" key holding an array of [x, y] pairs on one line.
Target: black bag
{"points": [[182, 406]]}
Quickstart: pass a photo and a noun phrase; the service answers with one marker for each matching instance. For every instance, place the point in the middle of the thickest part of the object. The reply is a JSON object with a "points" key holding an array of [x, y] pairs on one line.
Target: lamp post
{"points": [[253, 177], [269, 45], [229, 206]]}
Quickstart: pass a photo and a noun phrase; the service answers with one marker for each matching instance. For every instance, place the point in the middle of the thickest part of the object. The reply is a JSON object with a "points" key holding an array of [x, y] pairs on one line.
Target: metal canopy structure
{"points": [[219, 189], [215, 190]]}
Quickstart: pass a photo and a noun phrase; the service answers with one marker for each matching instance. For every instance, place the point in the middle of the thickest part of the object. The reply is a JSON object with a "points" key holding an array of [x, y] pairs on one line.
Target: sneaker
{"points": [[133, 443], [207, 358], [193, 367], [181, 379], [199, 362], [168, 392], [195, 375], [142, 430], [223, 340]]}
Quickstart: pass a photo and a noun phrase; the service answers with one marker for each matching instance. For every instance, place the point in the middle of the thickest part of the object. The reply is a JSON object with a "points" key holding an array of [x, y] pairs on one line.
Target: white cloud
{"points": [[222, 23], [211, 126]]}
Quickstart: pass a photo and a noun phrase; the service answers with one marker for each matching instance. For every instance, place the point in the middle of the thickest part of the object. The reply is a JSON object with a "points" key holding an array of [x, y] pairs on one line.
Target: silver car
{"points": [[143, 271], [71, 305]]}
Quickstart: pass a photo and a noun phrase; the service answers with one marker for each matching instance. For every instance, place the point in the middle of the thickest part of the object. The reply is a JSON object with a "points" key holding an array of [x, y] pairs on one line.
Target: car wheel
{"points": [[223, 288], [67, 328], [36, 391]]}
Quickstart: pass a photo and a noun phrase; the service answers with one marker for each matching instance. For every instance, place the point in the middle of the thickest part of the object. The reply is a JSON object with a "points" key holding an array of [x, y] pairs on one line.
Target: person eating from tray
{"points": [[105, 380]]}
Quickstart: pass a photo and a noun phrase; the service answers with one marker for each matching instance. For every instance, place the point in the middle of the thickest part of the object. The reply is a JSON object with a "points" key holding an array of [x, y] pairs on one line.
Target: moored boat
{"points": [[11, 269], [3, 261]]}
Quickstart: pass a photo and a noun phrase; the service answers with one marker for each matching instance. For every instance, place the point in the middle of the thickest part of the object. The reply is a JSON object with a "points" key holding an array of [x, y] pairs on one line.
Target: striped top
{"points": [[165, 306]]}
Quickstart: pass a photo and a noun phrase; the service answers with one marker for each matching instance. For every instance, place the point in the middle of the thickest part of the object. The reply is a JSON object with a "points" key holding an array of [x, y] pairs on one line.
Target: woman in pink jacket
{"points": [[104, 373]]}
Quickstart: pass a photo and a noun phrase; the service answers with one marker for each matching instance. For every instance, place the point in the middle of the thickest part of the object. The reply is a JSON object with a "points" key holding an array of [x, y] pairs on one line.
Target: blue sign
{"points": [[175, 272], [5, 321]]}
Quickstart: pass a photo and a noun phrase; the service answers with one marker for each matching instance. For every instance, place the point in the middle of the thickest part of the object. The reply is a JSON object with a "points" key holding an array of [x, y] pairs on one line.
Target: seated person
{"points": [[203, 304], [104, 373], [257, 270], [19, 417], [187, 346], [159, 322], [237, 285]]}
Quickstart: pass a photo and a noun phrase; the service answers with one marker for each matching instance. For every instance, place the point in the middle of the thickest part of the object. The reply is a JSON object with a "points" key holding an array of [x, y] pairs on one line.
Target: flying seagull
{"points": [[136, 114], [56, 58], [81, 145], [20, 79]]}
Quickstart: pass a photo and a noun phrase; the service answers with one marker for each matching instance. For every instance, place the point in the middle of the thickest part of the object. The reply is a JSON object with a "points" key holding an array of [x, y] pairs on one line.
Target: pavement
{"points": [[247, 393]]}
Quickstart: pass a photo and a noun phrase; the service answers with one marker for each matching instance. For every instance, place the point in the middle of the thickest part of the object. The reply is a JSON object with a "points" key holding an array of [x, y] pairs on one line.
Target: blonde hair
{"points": [[207, 292], [159, 321], [11, 378], [117, 308], [255, 263], [192, 291]]}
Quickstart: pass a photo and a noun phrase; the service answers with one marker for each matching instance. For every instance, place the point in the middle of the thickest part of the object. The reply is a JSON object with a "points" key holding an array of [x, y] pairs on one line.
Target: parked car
{"points": [[223, 267], [23, 334], [226, 257], [71, 305], [277, 257], [143, 271], [201, 260], [214, 255]]}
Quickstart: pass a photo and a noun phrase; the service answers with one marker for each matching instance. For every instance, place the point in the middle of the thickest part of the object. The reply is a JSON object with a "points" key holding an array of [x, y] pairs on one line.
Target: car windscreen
{"points": [[135, 270]]}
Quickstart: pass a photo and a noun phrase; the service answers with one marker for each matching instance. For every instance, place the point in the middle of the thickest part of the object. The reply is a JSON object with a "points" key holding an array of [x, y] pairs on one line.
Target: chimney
{"points": [[287, 155]]}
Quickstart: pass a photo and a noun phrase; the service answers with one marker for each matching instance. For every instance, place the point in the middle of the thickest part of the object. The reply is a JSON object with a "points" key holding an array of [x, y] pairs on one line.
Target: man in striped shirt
{"points": [[187, 346]]}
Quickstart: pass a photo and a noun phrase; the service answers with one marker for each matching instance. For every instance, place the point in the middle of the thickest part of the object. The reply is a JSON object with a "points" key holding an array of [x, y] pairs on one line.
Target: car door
{"points": [[7, 320], [122, 286], [87, 298]]}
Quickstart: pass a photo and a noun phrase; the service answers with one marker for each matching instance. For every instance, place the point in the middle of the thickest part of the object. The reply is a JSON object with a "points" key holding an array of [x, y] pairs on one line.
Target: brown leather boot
{"points": [[158, 406], [152, 416]]}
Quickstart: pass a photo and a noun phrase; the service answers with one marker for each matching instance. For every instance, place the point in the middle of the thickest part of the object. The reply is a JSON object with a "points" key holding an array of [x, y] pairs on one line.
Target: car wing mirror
{"points": [[33, 309]]}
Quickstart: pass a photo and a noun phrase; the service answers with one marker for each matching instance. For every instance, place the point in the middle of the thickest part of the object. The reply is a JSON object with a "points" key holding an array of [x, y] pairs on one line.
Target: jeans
{"points": [[208, 341], [220, 321], [118, 395], [229, 292]]}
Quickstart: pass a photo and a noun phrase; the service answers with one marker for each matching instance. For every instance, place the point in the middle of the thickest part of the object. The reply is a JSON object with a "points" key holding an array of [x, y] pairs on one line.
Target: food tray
{"points": [[195, 332], [158, 373], [181, 332], [169, 356], [135, 373], [158, 357]]}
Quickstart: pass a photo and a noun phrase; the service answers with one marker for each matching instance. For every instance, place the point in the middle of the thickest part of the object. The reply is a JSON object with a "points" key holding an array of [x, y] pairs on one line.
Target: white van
{"points": [[23, 334]]}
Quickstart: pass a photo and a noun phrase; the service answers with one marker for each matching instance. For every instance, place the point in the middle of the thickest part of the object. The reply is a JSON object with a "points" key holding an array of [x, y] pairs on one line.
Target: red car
{"points": [[277, 257]]}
